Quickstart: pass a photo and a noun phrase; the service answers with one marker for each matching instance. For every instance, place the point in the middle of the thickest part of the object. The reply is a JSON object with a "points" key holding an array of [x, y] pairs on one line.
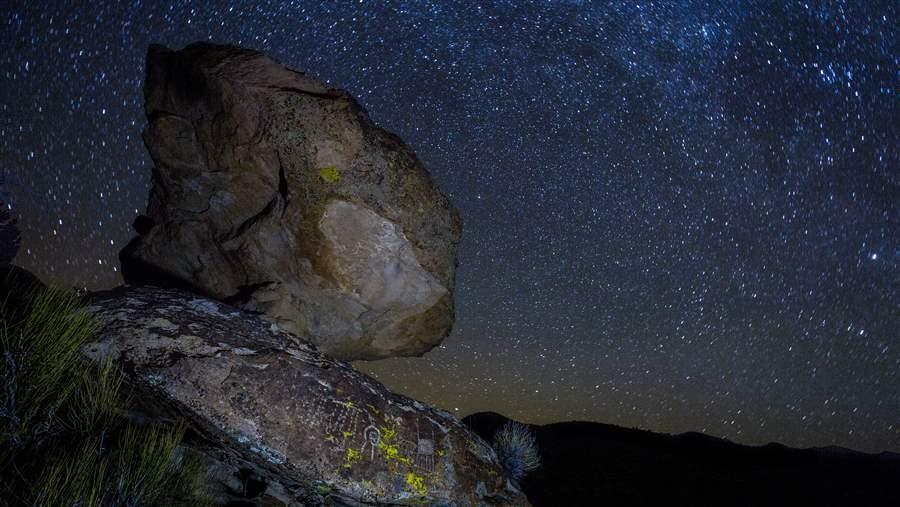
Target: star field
{"points": [[679, 216]]}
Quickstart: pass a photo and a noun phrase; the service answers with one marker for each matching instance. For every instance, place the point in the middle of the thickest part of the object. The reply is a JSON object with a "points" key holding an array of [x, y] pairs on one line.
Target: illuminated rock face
{"points": [[311, 428], [376, 266], [280, 196]]}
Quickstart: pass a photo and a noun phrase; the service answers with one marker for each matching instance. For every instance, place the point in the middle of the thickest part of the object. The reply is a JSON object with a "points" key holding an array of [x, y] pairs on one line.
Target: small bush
{"points": [[517, 449], [40, 338], [95, 405], [64, 437], [146, 463], [144, 466], [74, 478]]}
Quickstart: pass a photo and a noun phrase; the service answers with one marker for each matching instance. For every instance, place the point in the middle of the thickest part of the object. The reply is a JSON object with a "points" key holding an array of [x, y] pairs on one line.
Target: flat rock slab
{"points": [[312, 421], [279, 195]]}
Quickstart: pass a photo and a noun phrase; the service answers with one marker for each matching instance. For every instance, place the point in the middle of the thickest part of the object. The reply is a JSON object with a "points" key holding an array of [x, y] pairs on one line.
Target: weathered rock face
{"points": [[280, 196], [321, 429]]}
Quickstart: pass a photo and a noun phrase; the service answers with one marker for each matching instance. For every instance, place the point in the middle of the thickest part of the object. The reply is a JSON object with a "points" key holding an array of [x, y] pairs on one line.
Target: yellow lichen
{"points": [[416, 484], [352, 457], [330, 174], [387, 433], [347, 434], [391, 451]]}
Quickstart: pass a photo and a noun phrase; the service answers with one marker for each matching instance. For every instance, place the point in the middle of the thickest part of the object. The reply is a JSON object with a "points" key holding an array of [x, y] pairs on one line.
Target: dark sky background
{"points": [[678, 215]]}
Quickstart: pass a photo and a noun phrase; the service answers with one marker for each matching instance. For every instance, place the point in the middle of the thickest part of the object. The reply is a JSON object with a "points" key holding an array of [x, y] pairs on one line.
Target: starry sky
{"points": [[679, 216]]}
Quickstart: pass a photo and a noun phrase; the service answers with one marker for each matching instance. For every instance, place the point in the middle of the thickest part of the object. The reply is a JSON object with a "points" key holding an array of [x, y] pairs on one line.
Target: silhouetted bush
{"points": [[10, 239], [517, 449]]}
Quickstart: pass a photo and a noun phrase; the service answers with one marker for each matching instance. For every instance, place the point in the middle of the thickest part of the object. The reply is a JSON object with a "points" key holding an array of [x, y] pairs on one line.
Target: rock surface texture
{"points": [[280, 196], [315, 429]]}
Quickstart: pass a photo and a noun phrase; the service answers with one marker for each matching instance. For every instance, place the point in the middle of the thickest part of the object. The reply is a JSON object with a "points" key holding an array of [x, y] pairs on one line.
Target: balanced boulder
{"points": [[280, 196]]}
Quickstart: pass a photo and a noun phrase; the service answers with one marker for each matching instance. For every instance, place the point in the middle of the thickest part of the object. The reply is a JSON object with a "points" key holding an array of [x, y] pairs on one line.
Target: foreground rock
{"points": [[280, 196], [312, 428]]}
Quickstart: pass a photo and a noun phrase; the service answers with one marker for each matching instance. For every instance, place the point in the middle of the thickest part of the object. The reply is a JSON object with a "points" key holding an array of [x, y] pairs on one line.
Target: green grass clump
{"points": [[75, 478], [146, 462], [64, 436], [39, 343], [95, 405], [142, 466]]}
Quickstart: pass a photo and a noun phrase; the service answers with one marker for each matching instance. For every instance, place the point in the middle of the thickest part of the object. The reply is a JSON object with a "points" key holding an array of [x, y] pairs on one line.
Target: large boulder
{"points": [[279, 195], [315, 429]]}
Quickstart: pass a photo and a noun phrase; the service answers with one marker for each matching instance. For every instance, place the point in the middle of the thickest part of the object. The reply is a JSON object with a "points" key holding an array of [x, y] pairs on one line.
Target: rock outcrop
{"points": [[279, 195], [313, 428]]}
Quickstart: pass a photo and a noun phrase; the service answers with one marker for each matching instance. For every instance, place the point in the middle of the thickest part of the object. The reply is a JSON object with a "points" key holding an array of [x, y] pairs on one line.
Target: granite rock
{"points": [[278, 195], [313, 428]]}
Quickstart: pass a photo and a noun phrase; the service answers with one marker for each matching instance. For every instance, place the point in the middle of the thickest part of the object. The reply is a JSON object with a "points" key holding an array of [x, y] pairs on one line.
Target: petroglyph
{"points": [[372, 437], [424, 452], [275, 409], [341, 423]]}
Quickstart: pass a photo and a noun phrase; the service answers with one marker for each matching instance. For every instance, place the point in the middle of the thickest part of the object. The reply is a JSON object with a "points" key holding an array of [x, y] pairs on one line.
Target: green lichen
{"points": [[416, 484], [330, 174], [352, 457], [324, 489]]}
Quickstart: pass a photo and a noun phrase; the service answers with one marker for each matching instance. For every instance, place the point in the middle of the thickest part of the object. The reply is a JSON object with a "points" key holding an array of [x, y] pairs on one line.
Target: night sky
{"points": [[678, 216]]}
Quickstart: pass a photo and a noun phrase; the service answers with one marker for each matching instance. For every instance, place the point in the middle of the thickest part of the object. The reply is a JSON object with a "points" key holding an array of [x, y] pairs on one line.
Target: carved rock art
{"points": [[278, 403]]}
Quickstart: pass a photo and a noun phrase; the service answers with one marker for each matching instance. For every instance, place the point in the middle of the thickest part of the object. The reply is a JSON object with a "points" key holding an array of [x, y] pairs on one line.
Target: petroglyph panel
{"points": [[278, 407], [342, 422]]}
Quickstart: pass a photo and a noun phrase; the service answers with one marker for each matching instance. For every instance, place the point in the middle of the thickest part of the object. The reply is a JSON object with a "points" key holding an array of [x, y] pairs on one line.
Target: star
{"points": [[663, 203]]}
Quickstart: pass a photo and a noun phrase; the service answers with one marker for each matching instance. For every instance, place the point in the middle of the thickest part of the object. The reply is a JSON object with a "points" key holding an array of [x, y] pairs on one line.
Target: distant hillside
{"points": [[585, 463], [10, 239]]}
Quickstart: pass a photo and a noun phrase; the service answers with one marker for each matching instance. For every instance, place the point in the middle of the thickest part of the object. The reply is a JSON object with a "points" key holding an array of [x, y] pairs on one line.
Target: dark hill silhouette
{"points": [[587, 463], [10, 238]]}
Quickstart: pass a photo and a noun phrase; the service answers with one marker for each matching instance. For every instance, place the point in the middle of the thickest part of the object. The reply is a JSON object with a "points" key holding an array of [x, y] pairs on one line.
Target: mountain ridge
{"points": [[584, 463]]}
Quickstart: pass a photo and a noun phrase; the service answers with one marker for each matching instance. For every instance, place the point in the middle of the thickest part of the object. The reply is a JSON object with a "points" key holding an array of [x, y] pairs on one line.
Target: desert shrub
{"points": [[39, 342], [190, 481], [64, 437], [95, 405], [517, 450], [143, 466], [77, 477], [146, 462]]}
